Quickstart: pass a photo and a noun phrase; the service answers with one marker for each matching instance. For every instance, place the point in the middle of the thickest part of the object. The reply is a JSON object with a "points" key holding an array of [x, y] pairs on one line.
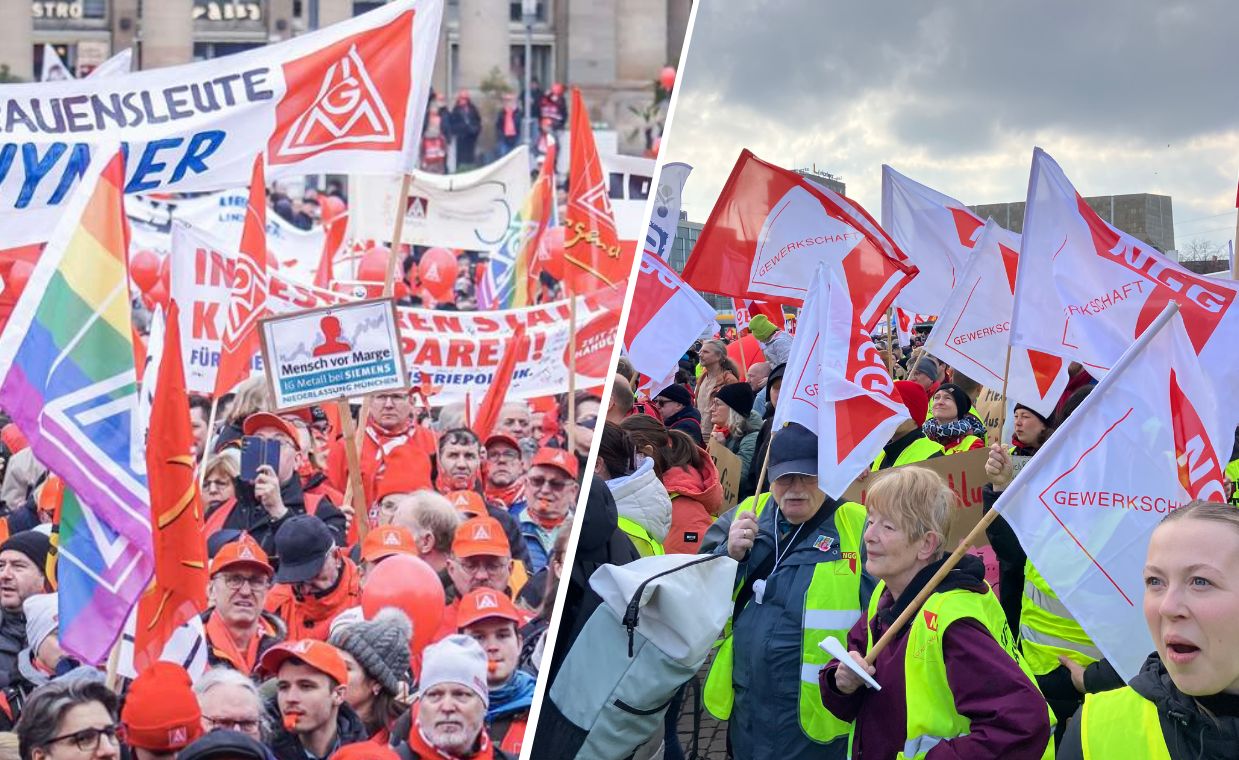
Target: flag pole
{"points": [[355, 493], [765, 463], [206, 448], [1002, 415], [571, 371]]}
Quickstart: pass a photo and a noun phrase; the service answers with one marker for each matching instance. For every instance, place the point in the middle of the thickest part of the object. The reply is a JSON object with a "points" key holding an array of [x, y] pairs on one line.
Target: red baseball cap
{"points": [[385, 541], [557, 458], [483, 603], [467, 502], [319, 655], [503, 438], [246, 552], [481, 537], [266, 420]]}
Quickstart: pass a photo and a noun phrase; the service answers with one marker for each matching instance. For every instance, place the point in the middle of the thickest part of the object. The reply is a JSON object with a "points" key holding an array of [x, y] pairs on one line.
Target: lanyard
{"points": [[759, 586]]}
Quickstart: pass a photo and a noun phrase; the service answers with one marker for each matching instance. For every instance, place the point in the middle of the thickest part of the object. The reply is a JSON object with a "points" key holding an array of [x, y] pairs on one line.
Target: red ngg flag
{"points": [[593, 256], [178, 591], [769, 230], [248, 302]]}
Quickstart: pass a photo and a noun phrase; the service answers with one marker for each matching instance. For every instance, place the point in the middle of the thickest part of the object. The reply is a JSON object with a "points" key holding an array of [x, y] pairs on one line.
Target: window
{"points": [[516, 11]]}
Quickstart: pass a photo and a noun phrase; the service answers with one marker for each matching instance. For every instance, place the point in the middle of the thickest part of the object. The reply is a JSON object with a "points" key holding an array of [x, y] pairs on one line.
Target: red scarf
{"points": [[505, 495], [220, 638], [422, 748], [509, 122]]}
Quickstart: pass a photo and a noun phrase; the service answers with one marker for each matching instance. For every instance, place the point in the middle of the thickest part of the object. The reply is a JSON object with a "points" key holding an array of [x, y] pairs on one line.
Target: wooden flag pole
{"points": [[355, 493], [765, 463], [977, 531], [1002, 417], [206, 450], [571, 373]]}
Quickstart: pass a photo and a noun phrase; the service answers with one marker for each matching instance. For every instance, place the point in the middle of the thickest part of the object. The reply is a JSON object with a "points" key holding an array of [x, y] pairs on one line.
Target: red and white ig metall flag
{"points": [[1145, 442], [836, 385]]}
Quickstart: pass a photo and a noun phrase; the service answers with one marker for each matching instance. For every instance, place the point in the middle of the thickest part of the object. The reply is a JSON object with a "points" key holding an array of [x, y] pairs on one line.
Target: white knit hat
{"points": [[42, 618], [455, 659]]}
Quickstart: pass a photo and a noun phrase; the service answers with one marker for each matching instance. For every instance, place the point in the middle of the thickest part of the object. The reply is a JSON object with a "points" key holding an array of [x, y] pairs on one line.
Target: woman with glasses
{"points": [[218, 484], [69, 720]]}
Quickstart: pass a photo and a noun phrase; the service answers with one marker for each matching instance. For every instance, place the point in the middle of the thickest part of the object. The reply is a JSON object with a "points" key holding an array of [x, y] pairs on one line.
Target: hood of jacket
{"points": [[642, 498], [700, 484], [1190, 728]]}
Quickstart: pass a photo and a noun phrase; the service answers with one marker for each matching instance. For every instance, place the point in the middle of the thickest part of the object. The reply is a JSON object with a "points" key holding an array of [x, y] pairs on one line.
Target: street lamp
{"points": [[529, 13]]}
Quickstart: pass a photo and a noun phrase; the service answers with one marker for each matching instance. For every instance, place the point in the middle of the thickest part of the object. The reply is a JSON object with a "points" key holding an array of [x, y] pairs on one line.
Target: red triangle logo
{"points": [[1010, 260], [966, 226], [855, 419], [1045, 369]]}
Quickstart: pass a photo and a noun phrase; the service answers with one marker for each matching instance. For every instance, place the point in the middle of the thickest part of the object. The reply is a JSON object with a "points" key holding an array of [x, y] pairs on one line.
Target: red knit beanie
{"points": [[161, 713]]}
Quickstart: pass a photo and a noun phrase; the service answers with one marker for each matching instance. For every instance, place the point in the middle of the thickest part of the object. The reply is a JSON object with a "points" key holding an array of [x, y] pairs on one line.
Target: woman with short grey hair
{"points": [[69, 720]]}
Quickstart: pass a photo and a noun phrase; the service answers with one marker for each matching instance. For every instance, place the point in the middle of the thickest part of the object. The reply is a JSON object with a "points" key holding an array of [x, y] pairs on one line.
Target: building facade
{"points": [[1142, 215], [612, 49]]}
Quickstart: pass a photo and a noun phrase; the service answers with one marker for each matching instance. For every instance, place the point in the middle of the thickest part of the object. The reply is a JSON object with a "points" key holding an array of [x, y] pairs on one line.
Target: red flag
{"points": [[593, 256], [771, 227], [178, 591], [542, 195], [492, 402], [248, 302], [332, 240]]}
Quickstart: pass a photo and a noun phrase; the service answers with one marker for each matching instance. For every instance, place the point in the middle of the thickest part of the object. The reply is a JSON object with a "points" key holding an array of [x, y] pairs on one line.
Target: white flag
{"points": [[836, 385], [665, 217], [937, 233], [665, 318], [1145, 442], [1085, 290], [121, 63], [54, 68]]}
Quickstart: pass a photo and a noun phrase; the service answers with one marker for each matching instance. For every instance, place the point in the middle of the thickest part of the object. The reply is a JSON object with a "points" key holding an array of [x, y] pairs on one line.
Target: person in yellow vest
{"points": [[951, 424], [1232, 472], [799, 581], [953, 681], [908, 443], [1184, 702]]}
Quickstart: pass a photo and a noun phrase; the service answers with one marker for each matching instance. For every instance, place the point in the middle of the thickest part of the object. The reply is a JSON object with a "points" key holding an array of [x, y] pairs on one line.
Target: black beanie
{"points": [[677, 393], [33, 544], [738, 396], [962, 402], [1044, 420]]}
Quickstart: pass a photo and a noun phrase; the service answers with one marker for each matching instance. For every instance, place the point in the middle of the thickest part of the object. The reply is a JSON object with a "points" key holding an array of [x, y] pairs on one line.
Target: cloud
{"points": [[1128, 95]]}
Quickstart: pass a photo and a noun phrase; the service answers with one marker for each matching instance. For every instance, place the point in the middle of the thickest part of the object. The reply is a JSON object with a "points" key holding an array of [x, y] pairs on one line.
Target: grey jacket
{"points": [[765, 722]]}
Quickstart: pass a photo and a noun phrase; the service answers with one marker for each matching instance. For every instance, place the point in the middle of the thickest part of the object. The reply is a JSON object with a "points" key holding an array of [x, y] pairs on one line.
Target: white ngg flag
{"points": [[836, 385], [1145, 442]]}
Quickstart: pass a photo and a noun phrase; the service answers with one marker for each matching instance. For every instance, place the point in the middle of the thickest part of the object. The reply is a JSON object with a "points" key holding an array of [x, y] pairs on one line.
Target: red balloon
{"points": [[144, 269], [19, 275], [411, 586], [330, 207], [551, 252], [373, 266], [158, 295], [165, 273], [437, 271], [666, 77]]}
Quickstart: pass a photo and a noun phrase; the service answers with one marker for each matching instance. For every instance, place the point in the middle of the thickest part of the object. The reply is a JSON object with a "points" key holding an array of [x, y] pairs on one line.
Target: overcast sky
{"points": [[1129, 96]]}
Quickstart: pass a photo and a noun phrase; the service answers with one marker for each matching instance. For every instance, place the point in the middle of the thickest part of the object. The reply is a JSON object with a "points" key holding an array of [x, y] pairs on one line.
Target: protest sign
{"points": [[470, 210], [964, 474], [347, 98], [728, 466], [296, 251], [333, 352]]}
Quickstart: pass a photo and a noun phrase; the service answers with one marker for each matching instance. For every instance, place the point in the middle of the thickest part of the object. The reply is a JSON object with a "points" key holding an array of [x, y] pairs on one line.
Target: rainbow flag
{"points": [[506, 282], [69, 383]]}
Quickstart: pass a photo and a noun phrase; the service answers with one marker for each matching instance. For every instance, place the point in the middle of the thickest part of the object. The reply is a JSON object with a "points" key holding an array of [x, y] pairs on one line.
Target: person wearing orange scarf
{"points": [[315, 580], [238, 630], [390, 429]]}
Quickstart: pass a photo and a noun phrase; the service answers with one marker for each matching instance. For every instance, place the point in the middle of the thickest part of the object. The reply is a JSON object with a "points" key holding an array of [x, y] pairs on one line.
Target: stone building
{"points": [[1145, 216], [612, 49]]}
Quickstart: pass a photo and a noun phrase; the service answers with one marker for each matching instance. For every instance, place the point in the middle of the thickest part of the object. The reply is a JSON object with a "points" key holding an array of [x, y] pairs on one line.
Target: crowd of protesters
{"points": [[454, 140]]}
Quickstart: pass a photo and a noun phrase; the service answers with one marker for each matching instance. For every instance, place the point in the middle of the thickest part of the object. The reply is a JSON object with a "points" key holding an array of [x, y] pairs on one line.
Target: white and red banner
{"points": [[471, 210], [836, 385], [460, 350], [769, 230], [296, 251], [665, 218], [973, 333], [665, 318], [906, 322], [1085, 291], [348, 99], [936, 232], [1147, 440]]}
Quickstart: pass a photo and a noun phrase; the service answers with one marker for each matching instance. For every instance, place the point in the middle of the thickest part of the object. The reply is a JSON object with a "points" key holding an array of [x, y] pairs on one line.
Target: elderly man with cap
{"points": [[505, 473], [23, 562], [237, 627], [451, 716], [481, 558], [161, 714], [490, 619], [315, 579], [551, 489], [262, 506], [800, 580], [675, 404], [381, 543], [315, 720]]}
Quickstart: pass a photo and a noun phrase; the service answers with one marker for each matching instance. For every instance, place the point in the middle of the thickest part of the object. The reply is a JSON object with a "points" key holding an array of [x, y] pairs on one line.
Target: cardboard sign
{"points": [[964, 474], [990, 406], [333, 352], [728, 466]]}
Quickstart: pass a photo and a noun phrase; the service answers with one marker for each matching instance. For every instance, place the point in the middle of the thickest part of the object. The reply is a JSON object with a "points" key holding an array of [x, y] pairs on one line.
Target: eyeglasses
{"points": [[389, 398], [506, 455], [588, 422], [658, 402], [87, 740], [536, 482], [213, 484], [490, 565], [232, 724], [235, 582]]}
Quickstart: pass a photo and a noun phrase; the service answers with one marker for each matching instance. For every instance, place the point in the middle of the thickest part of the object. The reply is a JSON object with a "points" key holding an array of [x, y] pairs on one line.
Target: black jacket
{"points": [[286, 746], [1194, 728], [12, 641], [687, 420], [250, 516]]}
